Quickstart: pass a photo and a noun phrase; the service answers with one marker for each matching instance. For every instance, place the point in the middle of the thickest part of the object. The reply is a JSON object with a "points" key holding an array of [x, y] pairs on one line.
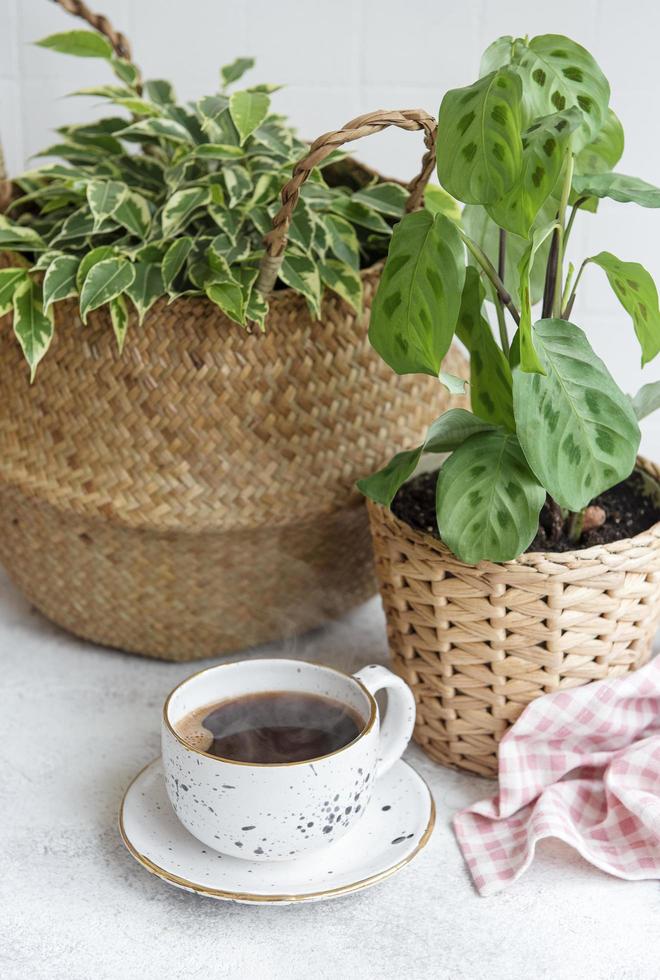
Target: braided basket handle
{"points": [[373, 122]]}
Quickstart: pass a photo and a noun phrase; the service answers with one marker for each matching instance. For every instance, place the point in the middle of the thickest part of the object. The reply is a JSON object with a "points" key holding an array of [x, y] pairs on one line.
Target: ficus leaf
{"points": [[545, 144], [647, 400], [576, 427], [229, 297], [20, 238], [234, 71], [248, 110], [82, 44], [618, 187], [633, 286], [238, 183], [302, 274], [180, 208], [218, 151], [10, 280], [104, 281], [133, 213], [156, 128], [487, 499], [91, 259], [146, 287], [360, 214], [416, 304], [490, 375], [174, 261], [448, 432], [160, 91], [104, 197], [60, 280], [33, 329], [344, 281], [119, 320], [385, 197], [343, 240], [480, 151]]}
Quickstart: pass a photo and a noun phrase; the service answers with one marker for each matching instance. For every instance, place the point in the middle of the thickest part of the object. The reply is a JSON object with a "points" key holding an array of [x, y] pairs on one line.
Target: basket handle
{"points": [[373, 122]]}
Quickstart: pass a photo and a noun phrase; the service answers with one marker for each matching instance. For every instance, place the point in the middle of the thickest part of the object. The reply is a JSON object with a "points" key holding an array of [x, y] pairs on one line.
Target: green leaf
{"points": [[104, 281], [558, 74], [133, 214], [359, 214], [156, 128], [301, 228], [576, 427], [545, 145], [159, 91], [181, 206], [33, 329], [490, 375], [234, 71], [445, 434], [418, 298], [480, 150], [301, 274], [90, 259], [238, 183], [60, 280], [605, 150], [344, 281], [146, 287], [20, 238], [487, 499], [229, 297], [385, 197], [119, 319], [453, 384], [104, 197], [529, 360], [343, 240], [10, 280], [218, 151], [647, 400], [636, 291], [483, 230], [248, 110], [83, 44], [257, 309], [174, 261], [618, 187], [438, 201], [125, 71]]}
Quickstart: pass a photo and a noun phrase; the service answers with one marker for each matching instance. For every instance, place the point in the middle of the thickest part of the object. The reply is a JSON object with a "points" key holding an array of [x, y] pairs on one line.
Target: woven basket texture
{"points": [[196, 495], [478, 643]]}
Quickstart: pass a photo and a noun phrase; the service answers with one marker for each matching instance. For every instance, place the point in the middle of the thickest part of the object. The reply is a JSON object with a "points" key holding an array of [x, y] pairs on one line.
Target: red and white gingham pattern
{"points": [[582, 765]]}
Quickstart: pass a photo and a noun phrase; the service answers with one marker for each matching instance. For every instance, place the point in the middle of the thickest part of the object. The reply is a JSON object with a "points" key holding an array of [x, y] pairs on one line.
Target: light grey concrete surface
{"points": [[77, 722]]}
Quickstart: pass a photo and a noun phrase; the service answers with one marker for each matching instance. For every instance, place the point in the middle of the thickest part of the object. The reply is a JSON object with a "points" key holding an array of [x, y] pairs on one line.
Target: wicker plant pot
{"points": [[478, 643], [196, 495]]}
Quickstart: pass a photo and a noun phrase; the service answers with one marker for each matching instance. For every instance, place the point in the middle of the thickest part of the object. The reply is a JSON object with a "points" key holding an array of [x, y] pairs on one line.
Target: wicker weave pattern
{"points": [[196, 495], [476, 644]]}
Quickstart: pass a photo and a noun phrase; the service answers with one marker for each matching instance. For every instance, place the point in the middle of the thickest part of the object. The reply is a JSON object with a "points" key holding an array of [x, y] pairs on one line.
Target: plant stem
{"points": [[575, 522], [574, 211], [501, 324], [491, 272], [556, 519], [571, 299], [550, 273], [561, 216], [567, 285], [501, 257]]}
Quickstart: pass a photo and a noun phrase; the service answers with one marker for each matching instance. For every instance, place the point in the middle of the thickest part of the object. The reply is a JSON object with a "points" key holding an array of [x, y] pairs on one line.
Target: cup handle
{"points": [[399, 722]]}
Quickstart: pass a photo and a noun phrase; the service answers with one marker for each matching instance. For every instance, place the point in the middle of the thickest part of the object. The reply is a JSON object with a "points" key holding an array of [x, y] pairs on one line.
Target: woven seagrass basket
{"points": [[196, 495], [478, 643]]}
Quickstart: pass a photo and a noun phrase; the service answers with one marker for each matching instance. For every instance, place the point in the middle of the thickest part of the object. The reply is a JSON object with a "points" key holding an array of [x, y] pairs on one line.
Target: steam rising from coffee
{"points": [[271, 727]]}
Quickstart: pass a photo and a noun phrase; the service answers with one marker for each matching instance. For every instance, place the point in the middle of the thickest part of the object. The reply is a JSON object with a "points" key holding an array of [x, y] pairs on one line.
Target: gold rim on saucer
{"points": [[173, 879]]}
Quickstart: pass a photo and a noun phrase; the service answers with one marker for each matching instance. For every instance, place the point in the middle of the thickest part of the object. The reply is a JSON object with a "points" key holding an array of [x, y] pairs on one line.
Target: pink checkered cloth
{"points": [[582, 765]]}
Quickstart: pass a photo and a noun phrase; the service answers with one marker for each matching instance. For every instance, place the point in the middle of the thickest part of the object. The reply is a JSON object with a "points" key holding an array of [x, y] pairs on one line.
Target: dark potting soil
{"points": [[628, 510]]}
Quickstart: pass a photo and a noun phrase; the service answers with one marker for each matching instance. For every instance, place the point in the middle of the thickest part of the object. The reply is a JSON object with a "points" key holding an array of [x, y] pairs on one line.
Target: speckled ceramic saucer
{"points": [[396, 825]]}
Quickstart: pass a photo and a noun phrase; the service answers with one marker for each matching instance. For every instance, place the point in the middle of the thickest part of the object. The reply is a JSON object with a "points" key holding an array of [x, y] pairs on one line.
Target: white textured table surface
{"points": [[77, 722]]}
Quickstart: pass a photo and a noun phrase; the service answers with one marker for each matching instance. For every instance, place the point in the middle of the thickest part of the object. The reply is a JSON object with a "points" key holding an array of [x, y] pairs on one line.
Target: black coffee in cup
{"points": [[271, 727]]}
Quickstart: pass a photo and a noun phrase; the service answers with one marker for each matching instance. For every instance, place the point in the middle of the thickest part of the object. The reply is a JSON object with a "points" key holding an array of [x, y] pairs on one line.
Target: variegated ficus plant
{"points": [[158, 198], [527, 148]]}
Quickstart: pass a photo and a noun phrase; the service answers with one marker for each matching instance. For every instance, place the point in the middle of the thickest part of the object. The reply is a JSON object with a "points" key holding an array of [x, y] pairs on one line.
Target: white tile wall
{"points": [[345, 57]]}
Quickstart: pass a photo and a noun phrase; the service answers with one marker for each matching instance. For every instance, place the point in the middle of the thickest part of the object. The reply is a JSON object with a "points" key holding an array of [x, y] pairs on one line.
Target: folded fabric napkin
{"points": [[582, 765]]}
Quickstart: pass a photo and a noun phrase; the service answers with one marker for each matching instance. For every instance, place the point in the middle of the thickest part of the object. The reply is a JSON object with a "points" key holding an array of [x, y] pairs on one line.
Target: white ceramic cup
{"points": [[277, 811]]}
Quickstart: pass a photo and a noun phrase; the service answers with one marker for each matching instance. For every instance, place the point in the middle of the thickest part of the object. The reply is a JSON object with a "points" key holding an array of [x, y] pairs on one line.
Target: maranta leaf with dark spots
{"points": [[577, 429], [634, 288], [416, 305], [487, 499], [479, 146]]}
